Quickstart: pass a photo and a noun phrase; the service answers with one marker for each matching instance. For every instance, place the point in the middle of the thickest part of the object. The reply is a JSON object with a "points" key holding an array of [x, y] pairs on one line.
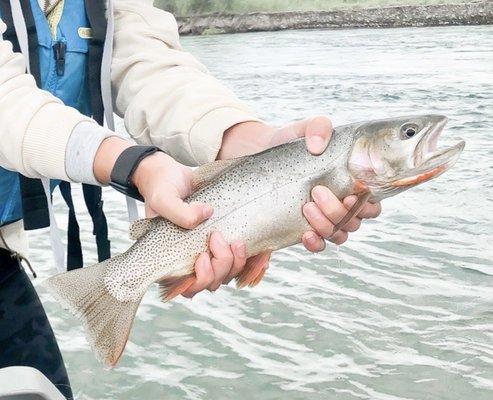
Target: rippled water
{"points": [[403, 311]]}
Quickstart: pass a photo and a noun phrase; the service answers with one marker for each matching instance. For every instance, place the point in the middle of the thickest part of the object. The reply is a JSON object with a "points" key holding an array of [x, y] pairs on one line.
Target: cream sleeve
{"points": [[35, 127], [168, 98]]}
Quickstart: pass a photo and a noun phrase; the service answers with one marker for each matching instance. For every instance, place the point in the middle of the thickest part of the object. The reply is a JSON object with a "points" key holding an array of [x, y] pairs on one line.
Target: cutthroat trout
{"points": [[257, 199]]}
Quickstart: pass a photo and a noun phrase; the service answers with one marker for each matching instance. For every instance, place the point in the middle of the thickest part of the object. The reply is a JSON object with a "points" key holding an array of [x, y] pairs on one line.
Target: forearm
{"points": [[106, 156], [166, 96]]}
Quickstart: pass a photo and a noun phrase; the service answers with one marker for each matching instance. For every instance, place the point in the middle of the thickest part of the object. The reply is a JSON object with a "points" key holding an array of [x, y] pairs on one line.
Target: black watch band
{"points": [[124, 168]]}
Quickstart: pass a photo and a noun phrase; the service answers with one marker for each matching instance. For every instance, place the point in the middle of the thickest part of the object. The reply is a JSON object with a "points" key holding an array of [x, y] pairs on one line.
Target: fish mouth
{"points": [[429, 161]]}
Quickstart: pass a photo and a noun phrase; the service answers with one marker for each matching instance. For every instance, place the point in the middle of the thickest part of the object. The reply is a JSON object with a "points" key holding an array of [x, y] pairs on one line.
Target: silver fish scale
{"points": [[259, 201]]}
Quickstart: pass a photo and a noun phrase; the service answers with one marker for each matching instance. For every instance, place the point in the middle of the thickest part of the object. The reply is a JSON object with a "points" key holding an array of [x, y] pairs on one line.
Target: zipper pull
{"points": [[60, 49]]}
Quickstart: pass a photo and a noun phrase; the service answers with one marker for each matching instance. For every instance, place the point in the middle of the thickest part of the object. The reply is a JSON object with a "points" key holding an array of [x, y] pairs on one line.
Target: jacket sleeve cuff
{"points": [[206, 136], [45, 141], [82, 147]]}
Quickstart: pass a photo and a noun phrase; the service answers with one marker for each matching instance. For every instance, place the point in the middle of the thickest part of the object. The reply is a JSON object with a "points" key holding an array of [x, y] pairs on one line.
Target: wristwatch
{"points": [[124, 168]]}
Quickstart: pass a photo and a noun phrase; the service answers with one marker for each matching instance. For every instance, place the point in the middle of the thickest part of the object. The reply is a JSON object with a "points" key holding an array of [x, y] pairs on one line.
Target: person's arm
{"points": [[39, 136], [165, 95], [42, 138]]}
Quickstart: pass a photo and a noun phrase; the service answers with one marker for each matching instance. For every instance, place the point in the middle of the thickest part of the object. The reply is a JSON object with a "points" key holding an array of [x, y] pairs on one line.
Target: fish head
{"points": [[393, 155]]}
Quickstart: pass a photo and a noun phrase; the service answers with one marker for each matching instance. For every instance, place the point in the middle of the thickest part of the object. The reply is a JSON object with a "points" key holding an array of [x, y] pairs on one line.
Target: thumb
{"points": [[185, 215], [317, 130], [318, 133]]}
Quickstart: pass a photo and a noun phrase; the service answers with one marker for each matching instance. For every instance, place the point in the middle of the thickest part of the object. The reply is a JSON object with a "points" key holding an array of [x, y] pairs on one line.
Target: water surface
{"points": [[403, 311]]}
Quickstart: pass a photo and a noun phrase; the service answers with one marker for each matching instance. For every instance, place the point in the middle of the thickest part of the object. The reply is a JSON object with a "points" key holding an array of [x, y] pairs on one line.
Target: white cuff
{"points": [[81, 150]]}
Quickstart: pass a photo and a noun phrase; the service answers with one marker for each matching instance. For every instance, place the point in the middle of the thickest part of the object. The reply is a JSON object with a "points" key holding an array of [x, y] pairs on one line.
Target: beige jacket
{"points": [[164, 94]]}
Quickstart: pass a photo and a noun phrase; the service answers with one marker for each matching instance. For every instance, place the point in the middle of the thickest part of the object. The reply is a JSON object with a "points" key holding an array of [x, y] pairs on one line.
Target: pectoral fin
{"points": [[355, 209]]}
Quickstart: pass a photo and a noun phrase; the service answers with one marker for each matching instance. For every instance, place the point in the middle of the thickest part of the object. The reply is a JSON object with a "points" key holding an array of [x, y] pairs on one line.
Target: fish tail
{"points": [[106, 320]]}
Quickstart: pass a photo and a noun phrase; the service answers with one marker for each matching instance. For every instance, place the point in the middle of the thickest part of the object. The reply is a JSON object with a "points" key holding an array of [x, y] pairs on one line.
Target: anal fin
{"points": [[254, 270]]}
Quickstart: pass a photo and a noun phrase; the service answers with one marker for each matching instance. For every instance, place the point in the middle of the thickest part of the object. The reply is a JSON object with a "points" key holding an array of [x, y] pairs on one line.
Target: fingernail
{"points": [[317, 143], [310, 209], [319, 194], [207, 211], [311, 238]]}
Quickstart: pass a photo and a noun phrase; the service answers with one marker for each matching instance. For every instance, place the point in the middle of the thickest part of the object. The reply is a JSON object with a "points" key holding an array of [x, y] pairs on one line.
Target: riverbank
{"points": [[475, 13]]}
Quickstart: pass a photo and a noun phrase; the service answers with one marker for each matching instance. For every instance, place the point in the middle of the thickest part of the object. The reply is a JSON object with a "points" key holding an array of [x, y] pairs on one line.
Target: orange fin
{"points": [[259, 278], [254, 270], [169, 288], [355, 209]]}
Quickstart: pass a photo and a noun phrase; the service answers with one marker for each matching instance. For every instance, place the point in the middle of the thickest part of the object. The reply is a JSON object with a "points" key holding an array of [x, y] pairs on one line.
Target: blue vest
{"points": [[63, 67]]}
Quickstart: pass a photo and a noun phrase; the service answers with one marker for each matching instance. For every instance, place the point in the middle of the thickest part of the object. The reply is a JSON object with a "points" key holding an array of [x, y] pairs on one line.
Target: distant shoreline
{"points": [[474, 13]]}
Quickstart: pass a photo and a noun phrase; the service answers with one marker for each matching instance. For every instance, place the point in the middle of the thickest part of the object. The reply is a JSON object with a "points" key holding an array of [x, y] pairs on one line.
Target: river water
{"points": [[403, 311]]}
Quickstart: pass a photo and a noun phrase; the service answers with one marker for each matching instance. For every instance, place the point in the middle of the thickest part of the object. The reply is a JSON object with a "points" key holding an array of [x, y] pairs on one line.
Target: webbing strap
{"points": [[75, 257], [32, 40], [10, 34], [94, 202], [34, 204], [55, 237], [96, 11], [133, 211]]}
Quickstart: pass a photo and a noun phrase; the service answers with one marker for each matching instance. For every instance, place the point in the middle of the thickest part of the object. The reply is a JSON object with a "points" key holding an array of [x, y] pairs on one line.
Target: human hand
{"points": [[162, 181]]}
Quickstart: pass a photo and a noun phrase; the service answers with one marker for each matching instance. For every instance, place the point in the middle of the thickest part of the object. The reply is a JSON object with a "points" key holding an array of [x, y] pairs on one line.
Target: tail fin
{"points": [[107, 321]]}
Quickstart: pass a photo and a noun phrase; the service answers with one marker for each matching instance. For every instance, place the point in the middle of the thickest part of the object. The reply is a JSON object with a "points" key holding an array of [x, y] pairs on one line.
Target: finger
{"points": [[370, 210], [222, 260], [186, 215], [339, 237], [314, 129], [313, 242], [204, 274], [317, 220], [240, 257], [318, 133], [333, 209]]}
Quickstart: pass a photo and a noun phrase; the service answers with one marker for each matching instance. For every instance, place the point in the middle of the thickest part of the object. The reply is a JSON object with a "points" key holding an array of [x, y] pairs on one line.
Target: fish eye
{"points": [[409, 130]]}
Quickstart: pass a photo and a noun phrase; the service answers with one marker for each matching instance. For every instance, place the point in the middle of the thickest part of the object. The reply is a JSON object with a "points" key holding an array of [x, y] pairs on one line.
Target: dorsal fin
{"points": [[140, 227], [208, 173]]}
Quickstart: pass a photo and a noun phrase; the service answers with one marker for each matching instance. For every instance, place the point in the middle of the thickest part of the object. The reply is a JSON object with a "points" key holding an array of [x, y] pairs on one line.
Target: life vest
{"points": [[68, 65]]}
